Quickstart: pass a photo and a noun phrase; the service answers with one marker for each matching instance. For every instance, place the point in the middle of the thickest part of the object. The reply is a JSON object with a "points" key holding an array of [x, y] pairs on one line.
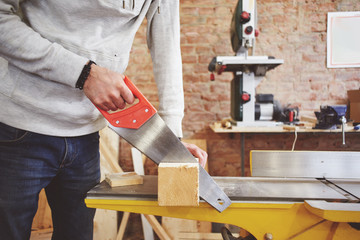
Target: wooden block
{"points": [[226, 123], [289, 127], [178, 184], [123, 179], [217, 125], [308, 119], [174, 226]]}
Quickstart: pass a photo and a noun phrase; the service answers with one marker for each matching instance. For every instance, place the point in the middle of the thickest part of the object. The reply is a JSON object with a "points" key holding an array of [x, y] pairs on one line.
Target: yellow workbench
{"points": [[261, 206]]}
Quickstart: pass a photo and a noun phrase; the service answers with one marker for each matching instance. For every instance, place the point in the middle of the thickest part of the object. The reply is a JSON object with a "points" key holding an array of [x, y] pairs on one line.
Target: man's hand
{"points": [[107, 89], [197, 152]]}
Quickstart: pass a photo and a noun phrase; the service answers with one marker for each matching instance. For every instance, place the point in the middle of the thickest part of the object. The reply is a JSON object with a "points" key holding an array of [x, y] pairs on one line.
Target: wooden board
{"points": [[162, 234], [178, 184], [174, 226], [123, 179]]}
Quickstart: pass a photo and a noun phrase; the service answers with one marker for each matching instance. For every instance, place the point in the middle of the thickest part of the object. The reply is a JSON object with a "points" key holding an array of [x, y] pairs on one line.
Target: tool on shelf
{"points": [[329, 117]]}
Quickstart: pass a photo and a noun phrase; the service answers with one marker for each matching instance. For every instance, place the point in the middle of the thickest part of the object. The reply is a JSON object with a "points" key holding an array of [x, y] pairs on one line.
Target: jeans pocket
{"points": [[10, 134]]}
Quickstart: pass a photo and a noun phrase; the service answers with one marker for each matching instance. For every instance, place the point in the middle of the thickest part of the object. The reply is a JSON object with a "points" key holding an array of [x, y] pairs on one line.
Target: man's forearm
{"points": [[26, 49], [164, 43]]}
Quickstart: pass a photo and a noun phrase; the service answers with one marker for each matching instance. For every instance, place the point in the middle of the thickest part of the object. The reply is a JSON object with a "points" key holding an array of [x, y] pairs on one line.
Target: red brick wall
{"points": [[291, 30]]}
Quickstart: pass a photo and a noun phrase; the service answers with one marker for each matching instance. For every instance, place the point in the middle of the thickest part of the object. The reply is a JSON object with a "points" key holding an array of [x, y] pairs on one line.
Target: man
{"points": [[56, 58]]}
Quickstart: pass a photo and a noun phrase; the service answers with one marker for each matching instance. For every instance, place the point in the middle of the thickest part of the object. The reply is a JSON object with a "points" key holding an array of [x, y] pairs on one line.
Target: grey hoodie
{"points": [[43, 53]]}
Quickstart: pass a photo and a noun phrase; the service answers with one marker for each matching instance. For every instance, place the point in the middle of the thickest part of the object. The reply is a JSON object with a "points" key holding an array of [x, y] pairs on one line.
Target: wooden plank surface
{"points": [[123, 179], [173, 226], [122, 227], [162, 234], [178, 184]]}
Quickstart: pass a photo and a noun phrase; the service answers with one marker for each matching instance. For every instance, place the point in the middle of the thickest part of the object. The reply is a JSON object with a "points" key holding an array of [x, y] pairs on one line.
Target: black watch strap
{"points": [[84, 75]]}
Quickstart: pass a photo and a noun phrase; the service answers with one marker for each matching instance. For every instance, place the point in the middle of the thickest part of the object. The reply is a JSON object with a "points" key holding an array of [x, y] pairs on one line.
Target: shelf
{"points": [[276, 129]]}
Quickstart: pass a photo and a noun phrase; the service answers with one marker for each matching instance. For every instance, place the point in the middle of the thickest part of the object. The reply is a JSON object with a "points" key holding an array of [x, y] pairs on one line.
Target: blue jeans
{"points": [[67, 167]]}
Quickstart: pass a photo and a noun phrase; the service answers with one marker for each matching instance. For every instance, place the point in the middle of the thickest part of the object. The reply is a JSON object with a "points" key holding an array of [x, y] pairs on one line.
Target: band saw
{"points": [[247, 108]]}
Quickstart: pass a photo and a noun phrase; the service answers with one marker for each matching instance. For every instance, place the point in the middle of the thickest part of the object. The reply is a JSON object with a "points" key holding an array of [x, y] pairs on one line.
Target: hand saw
{"points": [[143, 128]]}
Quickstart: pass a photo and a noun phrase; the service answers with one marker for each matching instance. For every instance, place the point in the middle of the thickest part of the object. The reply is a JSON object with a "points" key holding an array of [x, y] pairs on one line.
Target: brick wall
{"points": [[291, 30]]}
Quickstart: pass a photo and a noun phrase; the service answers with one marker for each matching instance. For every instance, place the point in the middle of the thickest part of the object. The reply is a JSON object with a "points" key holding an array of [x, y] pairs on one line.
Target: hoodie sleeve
{"points": [[26, 49], [163, 38]]}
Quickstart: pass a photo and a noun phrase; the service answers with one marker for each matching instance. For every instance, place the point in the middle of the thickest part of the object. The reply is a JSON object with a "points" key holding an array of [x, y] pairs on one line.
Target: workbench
{"points": [[292, 195], [277, 129], [298, 208]]}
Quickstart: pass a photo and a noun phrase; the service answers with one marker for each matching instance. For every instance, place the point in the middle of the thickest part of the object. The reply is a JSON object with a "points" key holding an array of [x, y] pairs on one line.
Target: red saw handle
{"points": [[134, 116]]}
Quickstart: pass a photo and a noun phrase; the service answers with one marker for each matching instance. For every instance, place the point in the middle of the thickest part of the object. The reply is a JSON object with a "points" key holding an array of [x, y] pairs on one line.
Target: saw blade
{"points": [[155, 139]]}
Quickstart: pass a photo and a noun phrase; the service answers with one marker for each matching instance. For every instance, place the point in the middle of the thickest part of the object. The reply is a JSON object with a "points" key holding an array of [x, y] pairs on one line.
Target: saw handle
{"points": [[134, 116]]}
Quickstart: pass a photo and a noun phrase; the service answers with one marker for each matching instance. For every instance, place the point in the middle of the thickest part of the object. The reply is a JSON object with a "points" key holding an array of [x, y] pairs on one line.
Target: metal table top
{"points": [[309, 164], [350, 185], [237, 188]]}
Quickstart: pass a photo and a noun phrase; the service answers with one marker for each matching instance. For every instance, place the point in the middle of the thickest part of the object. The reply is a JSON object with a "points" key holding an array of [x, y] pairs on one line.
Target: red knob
{"points": [[245, 16], [245, 97], [257, 32], [248, 30]]}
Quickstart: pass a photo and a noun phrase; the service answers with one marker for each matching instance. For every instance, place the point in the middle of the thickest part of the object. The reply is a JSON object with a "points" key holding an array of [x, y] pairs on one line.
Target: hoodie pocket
{"points": [[134, 6]]}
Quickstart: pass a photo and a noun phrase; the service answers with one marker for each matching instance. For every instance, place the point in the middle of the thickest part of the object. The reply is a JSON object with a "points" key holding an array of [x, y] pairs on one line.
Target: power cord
{"points": [[293, 146]]}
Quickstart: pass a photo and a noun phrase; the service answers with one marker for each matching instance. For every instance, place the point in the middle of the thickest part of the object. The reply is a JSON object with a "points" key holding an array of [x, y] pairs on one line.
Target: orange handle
{"points": [[134, 116]]}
